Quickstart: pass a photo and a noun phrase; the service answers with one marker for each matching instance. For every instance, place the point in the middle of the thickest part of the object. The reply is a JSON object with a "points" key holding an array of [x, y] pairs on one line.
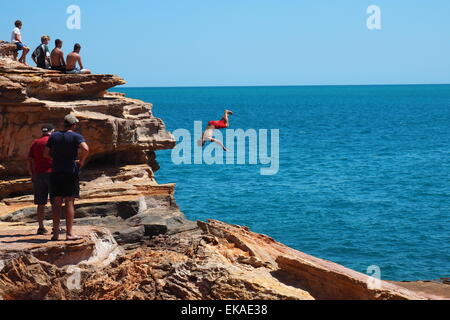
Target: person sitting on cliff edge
{"points": [[62, 147], [57, 57], [16, 38], [72, 60], [208, 135], [41, 55]]}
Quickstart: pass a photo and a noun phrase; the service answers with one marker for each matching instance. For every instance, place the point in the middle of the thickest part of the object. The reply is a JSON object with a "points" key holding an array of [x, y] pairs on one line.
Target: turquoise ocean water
{"points": [[363, 179]]}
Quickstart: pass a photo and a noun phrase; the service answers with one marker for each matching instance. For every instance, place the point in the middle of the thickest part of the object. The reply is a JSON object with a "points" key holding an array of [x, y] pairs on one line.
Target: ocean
{"points": [[363, 174]]}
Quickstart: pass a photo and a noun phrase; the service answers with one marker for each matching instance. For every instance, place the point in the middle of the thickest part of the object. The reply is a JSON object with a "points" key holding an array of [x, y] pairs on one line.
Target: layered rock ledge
{"points": [[214, 261], [136, 244]]}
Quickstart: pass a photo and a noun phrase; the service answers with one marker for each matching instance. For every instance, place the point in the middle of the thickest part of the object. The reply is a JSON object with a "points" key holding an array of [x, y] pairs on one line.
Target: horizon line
{"points": [[287, 85]]}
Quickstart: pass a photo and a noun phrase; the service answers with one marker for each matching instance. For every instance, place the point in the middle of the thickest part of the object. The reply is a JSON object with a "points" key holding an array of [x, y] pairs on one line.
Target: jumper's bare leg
{"points": [[225, 116]]}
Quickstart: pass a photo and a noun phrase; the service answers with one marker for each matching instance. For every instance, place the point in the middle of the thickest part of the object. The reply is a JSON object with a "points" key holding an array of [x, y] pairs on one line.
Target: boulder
{"points": [[8, 50], [130, 235]]}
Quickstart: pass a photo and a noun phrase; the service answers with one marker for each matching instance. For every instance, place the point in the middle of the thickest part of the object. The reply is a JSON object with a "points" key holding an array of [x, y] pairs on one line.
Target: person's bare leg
{"points": [[225, 117], [41, 216], [56, 211], [70, 214], [23, 58], [85, 71]]}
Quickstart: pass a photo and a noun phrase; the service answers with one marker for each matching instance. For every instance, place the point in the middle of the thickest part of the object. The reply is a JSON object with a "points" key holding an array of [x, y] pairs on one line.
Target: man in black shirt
{"points": [[63, 147]]}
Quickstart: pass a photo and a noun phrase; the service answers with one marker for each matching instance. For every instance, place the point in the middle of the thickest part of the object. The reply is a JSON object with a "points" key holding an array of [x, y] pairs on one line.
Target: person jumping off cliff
{"points": [[208, 135]]}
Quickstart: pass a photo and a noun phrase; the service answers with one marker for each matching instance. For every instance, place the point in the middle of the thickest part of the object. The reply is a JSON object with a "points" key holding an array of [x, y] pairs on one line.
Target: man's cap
{"points": [[47, 128], [71, 119]]}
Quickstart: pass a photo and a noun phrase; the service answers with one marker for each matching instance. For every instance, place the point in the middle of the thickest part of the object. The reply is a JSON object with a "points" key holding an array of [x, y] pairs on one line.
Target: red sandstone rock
{"points": [[222, 262], [119, 192]]}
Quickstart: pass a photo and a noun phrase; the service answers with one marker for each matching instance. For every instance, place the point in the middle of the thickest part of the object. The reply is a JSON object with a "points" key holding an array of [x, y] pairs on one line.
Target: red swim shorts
{"points": [[221, 124]]}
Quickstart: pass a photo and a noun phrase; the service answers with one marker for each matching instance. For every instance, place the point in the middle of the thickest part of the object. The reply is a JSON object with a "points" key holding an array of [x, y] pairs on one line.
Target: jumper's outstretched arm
{"points": [[219, 143]]}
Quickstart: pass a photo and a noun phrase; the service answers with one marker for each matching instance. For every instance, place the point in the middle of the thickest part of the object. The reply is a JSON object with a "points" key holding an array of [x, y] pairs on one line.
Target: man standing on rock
{"points": [[63, 147], [39, 168]]}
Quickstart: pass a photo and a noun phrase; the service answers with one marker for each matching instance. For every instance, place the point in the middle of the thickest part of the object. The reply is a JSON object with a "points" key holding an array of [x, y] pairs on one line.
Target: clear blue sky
{"points": [[247, 42]]}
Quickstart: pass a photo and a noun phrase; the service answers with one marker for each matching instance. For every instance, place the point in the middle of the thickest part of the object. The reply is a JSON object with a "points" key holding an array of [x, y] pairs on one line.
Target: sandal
{"points": [[61, 231]]}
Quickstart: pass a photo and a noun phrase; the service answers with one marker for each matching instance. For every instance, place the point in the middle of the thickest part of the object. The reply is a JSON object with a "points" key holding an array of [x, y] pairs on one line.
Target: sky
{"points": [[173, 43]]}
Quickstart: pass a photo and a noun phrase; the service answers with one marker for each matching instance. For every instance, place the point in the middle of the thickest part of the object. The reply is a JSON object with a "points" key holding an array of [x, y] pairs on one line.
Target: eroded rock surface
{"points": [[122, 133], [119, 131], [215, 261], [136, 243], [19, 82]]}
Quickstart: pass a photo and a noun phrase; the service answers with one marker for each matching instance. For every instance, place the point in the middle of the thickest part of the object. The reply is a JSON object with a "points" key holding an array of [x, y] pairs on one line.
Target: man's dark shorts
{"points": [[19, 45], [60, 68], [66, 185], [41, 188]]}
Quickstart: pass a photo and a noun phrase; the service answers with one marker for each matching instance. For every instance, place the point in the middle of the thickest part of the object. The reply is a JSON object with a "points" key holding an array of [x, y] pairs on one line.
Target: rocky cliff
{"points": [[137, 243]]}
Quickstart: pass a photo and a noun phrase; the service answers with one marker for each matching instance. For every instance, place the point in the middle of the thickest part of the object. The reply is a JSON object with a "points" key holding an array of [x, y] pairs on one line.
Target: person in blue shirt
{"points": [[63, 147]]}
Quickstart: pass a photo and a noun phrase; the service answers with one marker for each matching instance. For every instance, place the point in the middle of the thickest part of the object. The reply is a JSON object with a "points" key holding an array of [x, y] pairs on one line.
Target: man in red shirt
{"points": [[40, 168]]}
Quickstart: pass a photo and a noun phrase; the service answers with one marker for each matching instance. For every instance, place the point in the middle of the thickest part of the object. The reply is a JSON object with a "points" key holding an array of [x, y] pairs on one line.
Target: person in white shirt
{"points": [[16, 38]]}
